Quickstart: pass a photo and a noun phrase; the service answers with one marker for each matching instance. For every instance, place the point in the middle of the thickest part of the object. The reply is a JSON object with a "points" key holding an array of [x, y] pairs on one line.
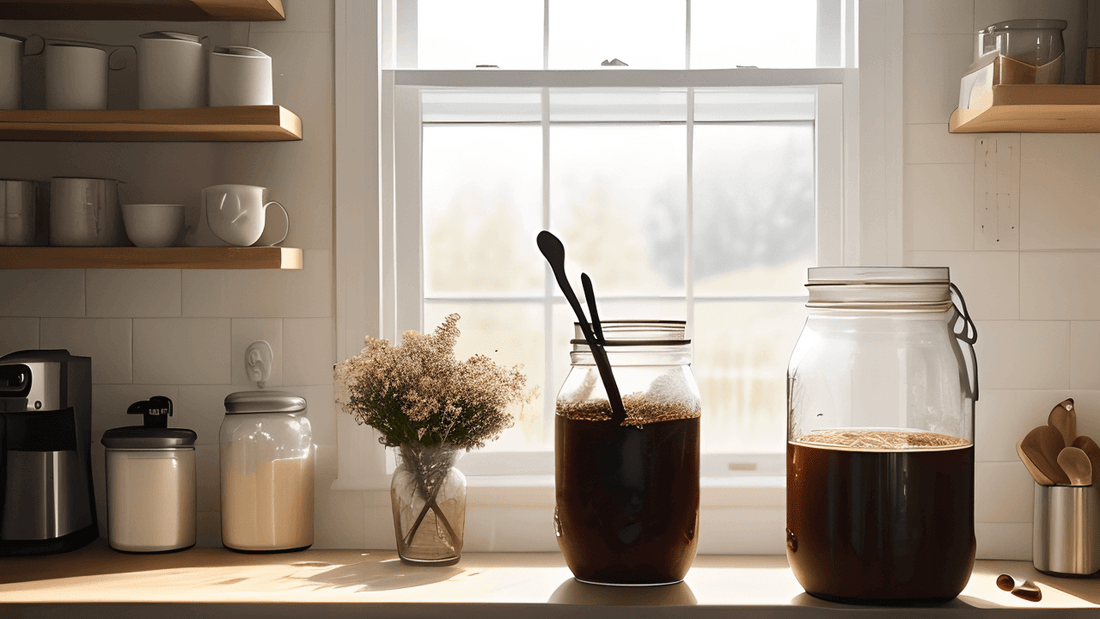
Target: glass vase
{"points": [[429, 505]]}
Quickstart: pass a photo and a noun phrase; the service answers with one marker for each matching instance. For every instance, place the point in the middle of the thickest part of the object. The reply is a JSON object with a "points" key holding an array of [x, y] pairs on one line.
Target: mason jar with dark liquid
{"points": [[627, 489], [880, 437]]}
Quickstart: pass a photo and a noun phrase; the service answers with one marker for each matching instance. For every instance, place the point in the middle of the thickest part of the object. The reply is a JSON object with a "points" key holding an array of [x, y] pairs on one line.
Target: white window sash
{"points": [[746, 509]]}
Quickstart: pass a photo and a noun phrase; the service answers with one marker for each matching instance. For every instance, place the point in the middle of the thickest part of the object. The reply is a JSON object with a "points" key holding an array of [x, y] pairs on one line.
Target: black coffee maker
{"points": [[46, 499]]}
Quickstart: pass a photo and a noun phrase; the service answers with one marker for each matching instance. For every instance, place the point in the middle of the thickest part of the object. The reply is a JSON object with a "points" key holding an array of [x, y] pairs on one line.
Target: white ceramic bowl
{"points": [[152, 225]]}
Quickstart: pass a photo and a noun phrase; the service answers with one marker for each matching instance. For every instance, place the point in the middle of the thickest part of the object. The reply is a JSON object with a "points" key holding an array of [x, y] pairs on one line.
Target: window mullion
{"points": [[548, 281], [689, 251]]}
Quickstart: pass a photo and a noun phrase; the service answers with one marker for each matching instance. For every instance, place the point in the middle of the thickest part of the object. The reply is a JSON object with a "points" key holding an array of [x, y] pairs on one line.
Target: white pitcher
{"points": [[236, 213]]}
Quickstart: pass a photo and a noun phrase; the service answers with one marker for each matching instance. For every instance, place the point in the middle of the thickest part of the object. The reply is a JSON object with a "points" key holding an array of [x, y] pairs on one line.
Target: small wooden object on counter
{"points": [[256, 123], [1042, 445], [1031, 108], [1076, 465], [161, 10], [1064, 419], [1028, 591], [1092, 450], [150, 258], [1005, 582]]}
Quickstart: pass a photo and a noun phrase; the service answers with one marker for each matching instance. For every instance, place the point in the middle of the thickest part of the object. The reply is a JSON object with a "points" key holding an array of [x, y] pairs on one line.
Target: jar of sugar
{"points": [[267, 457]]}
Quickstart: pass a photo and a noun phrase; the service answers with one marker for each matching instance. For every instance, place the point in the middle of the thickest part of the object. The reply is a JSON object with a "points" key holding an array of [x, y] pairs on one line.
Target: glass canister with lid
{"points": [[267, 467], [627, 489], [880, 436]]}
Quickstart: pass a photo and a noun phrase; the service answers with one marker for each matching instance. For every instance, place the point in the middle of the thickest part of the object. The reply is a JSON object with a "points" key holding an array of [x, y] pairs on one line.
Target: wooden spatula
{"points": [[1092, 450], [1063, 418], [1042, 445], [1039, 476], [1076, 465]]}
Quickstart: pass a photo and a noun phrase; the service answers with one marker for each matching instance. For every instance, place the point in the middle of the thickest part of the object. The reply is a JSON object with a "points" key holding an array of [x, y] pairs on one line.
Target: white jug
{"points": [[171, 71], [17, 213], [11, 72], [236, 213]]}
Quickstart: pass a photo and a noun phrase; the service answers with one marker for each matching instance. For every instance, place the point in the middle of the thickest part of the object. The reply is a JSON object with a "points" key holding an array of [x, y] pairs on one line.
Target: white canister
{"points": [[11, 72], [18, 221], [171, 72], [151, 504], [84, 212], [267, 467], [76, 77], [240, 76]]}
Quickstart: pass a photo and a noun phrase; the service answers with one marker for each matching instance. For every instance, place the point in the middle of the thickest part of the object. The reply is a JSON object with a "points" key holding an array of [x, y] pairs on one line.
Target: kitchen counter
{"points": [[215, 582]]}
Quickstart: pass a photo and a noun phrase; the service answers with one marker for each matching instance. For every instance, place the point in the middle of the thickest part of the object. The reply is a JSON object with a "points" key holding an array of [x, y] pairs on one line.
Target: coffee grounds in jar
{"points": [[882, 440], [668, 398]]}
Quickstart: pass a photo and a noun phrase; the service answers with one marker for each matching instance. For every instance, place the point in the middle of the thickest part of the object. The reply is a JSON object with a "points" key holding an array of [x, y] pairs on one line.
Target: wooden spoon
{"points": [[1038, 475], [1042, 445], [1076, 465], [1064, 419], [1092, 450]]}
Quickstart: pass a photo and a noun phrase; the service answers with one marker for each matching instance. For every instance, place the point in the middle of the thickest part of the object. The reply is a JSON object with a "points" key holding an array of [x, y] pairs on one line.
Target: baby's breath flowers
{"points": [[418, 393]]}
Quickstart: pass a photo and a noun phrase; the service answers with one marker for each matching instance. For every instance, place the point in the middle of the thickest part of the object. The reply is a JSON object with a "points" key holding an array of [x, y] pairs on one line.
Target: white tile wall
{"points": [[40, 293], [18, 334], [133, 293], [105, 340], [1038, 306], [182, 351]]}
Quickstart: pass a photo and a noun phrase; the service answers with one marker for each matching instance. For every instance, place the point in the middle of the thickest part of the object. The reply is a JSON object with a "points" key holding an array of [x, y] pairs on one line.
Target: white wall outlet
{"points": [[997, 192], [257, 362]]}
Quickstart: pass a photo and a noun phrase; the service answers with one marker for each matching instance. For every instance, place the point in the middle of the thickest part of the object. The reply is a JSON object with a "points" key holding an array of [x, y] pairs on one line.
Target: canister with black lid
{"points": [[150, 482]]}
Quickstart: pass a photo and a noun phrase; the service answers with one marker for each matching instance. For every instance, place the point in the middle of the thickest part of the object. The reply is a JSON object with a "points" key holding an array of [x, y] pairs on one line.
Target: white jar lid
{"points": [[880, 288]]}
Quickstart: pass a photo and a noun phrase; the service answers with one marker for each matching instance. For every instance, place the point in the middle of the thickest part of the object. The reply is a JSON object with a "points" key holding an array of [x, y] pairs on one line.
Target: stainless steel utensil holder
{"points": [[1065, 536]]}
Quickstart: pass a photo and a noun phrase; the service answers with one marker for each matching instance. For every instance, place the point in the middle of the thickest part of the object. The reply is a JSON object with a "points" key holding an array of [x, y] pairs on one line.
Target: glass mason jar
{"points": [[880, 437], [428, 496], [266, 472], [627, 490]]}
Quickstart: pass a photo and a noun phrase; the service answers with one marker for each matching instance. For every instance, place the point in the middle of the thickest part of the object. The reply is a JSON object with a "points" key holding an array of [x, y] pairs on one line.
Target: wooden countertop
{"points": [[209, 582]]}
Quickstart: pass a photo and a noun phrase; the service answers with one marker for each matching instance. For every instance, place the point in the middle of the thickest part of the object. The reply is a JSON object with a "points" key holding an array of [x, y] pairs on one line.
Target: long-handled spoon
{"points": [[554, 252], [1039, 476], [1076, 465], [590, 298]]}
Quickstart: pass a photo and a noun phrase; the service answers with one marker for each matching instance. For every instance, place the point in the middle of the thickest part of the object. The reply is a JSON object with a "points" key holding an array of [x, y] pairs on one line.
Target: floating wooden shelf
{"points": [[152, 10], [150, 258], [1031, 108], [259, 123]]}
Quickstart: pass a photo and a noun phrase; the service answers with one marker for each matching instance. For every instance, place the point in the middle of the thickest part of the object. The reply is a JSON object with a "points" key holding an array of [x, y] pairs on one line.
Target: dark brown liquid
{"points": [[627, 499], [880, 525]]}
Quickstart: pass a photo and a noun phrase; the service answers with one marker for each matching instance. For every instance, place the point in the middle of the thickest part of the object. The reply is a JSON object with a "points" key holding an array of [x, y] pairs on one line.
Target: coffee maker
{"points": [[47, 503]]}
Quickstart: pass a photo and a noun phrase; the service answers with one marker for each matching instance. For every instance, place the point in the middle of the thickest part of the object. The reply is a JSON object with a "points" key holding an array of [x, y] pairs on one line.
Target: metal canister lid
{"points": [[878, 275], [140, 437], [243, 402]]}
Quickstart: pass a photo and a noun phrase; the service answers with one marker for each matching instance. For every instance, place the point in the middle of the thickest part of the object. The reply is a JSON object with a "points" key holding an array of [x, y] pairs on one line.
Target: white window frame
{"points": [[375, 297]]}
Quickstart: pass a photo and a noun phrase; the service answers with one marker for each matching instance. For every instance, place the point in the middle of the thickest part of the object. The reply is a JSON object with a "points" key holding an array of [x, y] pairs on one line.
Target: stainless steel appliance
{"points": [[47, 502]]}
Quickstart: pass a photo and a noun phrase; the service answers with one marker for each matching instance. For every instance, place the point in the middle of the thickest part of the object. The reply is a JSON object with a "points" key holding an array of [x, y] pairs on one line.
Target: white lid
{"points": [[878, 275], [176, 36], [880, 288], [263, 402], [240, 50]]}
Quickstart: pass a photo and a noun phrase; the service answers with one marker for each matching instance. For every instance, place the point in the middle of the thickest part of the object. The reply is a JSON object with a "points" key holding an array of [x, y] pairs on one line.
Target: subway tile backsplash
{"points": [[1037, 303]]}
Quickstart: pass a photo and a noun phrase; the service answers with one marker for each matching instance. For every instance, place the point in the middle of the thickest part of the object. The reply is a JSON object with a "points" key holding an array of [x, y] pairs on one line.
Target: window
{"points": [[687, 193]]}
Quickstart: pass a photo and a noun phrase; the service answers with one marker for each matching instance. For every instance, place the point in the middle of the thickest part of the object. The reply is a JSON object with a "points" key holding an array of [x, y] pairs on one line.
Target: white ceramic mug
{"points": [[240, 76], [171, 71], [11, 72], [236, 213], [84, 212], [76, 77], [17, 213]]}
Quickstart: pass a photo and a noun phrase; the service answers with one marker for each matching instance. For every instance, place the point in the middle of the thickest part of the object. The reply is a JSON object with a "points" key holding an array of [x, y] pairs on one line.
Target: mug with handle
{"points": [[236, 213]]}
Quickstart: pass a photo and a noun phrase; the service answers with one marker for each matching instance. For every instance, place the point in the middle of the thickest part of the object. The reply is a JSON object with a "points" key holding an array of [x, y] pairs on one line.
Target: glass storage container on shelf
{"points": [[627, 490], [266, 472], [880, 437]]}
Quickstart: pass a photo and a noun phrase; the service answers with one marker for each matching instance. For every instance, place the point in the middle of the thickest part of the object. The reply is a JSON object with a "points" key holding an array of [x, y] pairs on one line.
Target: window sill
{"points": [[214, 582]]}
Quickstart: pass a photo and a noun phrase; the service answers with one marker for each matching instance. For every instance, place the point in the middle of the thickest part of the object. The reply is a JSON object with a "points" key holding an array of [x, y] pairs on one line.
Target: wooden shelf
{"points": [[145, 10], [259, 123], [150, 258], [1031, 108]]}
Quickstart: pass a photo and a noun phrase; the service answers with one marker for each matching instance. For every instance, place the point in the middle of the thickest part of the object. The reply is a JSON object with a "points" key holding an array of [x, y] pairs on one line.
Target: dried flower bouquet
{"points": [[421, 398]]}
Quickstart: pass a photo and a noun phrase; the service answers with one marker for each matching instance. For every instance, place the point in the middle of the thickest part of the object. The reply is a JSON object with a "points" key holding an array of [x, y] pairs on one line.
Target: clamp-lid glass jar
{"points": [[267, 472], [627, 490], [880, 437]]}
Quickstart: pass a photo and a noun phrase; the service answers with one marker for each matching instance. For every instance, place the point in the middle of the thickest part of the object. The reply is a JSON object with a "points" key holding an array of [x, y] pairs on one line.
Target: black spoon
{"points": [[554, 252], [590, 297]]}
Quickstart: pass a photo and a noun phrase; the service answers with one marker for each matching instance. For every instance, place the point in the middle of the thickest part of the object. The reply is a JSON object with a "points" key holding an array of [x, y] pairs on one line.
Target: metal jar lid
{"points": [[243, 402], [880, 288], [140, 437]]}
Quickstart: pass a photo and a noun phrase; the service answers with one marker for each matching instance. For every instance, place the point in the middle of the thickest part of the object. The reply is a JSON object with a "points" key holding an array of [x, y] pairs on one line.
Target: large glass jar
{"points": [[627, 489], [880, 437], [266, 472]]}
